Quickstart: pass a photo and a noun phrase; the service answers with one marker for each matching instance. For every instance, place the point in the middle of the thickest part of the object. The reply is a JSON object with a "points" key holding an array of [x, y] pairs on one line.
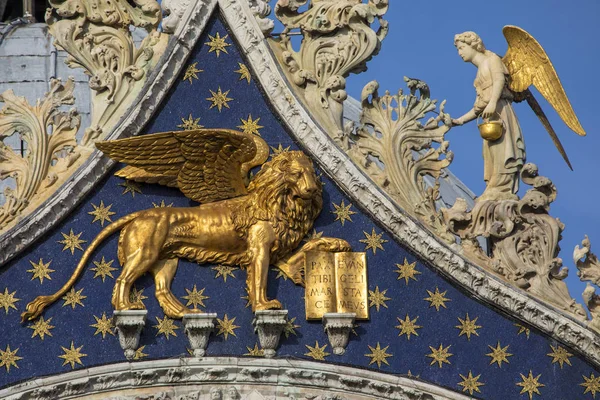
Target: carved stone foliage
{"points": [[97, 36], [226, 378], [523, 239], [51, 148], [395, 148], [337, 40], [588, 270]]}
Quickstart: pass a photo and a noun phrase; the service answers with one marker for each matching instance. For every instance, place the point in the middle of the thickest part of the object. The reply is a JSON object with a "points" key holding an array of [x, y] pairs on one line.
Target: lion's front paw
{"points": [[268, 305]]}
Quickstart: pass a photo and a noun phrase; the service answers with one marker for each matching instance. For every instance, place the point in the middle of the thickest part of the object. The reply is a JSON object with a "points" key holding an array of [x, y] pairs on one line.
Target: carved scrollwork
{"points": [[395, 149], [523, 239], [588, 270], [97, 36], [337, 40], [51, 147]]}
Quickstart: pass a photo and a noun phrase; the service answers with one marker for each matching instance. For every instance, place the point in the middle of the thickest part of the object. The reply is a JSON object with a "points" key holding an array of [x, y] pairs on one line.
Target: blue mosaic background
{"points": [[438, 327]]}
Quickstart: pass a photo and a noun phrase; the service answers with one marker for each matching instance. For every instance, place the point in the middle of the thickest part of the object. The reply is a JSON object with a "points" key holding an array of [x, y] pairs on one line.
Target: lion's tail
{"points": [[37, 306]]}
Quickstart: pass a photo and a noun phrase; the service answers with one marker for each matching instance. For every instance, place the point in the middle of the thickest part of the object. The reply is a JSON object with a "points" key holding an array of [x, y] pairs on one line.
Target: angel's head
{"points": [[468, 45]]}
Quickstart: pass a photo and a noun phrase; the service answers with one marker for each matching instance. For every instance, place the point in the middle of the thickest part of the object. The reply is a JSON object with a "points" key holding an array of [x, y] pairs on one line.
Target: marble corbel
{"points": [[129, 325], [198, 328], [270, 324], [338, 327]]}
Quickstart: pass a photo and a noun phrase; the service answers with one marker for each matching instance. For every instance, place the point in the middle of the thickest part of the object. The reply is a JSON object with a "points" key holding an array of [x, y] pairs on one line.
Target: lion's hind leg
{"points": [[164, 272]]}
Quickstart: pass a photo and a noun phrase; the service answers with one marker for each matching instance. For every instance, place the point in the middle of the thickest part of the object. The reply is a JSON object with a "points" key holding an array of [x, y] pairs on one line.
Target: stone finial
{"points": [[198, 328], [269, 325], [338, 327], [129, 325]]}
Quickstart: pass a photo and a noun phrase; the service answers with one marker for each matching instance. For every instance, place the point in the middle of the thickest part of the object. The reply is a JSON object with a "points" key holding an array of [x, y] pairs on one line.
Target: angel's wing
{"points": [[528, 64], [205, 164]]}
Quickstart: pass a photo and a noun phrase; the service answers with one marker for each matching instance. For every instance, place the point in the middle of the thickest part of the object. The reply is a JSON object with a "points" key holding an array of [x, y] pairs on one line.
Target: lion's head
{"points": [[287, 193]]}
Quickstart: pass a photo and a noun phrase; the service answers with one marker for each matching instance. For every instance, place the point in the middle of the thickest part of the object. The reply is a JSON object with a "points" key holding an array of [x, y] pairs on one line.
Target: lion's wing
{"points": [[205, 164]]}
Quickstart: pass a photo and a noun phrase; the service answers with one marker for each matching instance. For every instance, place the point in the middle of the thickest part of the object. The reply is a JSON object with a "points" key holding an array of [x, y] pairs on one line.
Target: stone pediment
{"points": [[161, 102]]}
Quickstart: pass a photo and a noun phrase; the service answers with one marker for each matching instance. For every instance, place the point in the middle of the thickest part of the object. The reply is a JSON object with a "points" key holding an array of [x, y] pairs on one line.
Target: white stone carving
{"points": [[129, 325], [174, 10], [396, 149], [261, 10], [97, 36], [269, 325], [588, 270], [524, 240], [153, 380], [338, 327], [51, 146], [337, 40], [198, 328]]}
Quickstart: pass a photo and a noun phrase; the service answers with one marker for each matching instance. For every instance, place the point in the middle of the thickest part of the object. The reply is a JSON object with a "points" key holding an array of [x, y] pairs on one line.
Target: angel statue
{"points": [[498, 83], [240, 222]]}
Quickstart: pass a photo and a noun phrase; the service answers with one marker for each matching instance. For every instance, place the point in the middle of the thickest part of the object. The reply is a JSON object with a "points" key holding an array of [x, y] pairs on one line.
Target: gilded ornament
{"points": [[166, 327], [130, 187], [440, 355], [342, 212], [226, 326], [499, 354], [41, 328], [137, 296], [290, 328], [161, 204], [437, 299], [249, 126], [279, 149], [219, 99], [40, 270], [377, 298], [103, 326], [72, 241], [191, 72], [224, 271], [217, 44], [190, 124], [72, 355], [255, 351], [244, 72], [468, 327], [591, 384], [530, 385], [74, 298], [103, 269], [101, 213], [560, 355], [8, 300], [407, 271], [195, 298], [234, 225], [523, 330], [139, 353], [470, 383], [314, 235], [316, 353], [373, 241], [378, 355], [408, 326], [9, 358]]}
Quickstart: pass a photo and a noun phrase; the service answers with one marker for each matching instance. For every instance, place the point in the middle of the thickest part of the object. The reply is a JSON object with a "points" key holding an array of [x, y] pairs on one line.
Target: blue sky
{"points": [[420, 45]]}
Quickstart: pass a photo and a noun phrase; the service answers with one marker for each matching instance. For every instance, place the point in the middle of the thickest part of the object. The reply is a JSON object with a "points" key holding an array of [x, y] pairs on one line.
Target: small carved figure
{"points": [[232, 394], [250, 227], [498, 83], [216, 394]]}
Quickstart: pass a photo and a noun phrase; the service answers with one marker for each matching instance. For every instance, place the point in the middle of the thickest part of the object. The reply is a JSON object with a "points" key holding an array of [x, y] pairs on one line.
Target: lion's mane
{"points": [[270, 198]]}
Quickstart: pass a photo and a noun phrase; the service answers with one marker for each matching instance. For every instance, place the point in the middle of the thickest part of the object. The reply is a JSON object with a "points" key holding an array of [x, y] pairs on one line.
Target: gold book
{"points": [[336, 283]]}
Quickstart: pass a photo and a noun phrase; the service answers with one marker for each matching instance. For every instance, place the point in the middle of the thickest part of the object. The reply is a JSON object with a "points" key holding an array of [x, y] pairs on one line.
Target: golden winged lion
{"points": [[251, 226]]}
